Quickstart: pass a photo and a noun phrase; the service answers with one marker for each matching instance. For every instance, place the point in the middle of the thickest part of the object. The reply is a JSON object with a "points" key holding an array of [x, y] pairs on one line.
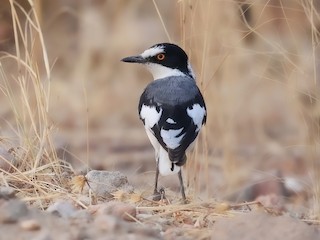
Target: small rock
{"points": [[122, 229], [106, 223], [174, 233], [30, 225], [121, 210], [146, 232], [82, 214], [7, 192], [12, 210], [261, 186], [272, 201], [62, 208], [5, 159], [104, 183], [86, 200]]}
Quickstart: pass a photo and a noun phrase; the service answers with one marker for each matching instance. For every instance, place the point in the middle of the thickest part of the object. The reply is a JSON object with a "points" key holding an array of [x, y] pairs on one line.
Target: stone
{"points": [[7, 159], [62, 208], [12, 210], [120, 210], [30, 225], [104, 183], [7, 192]]}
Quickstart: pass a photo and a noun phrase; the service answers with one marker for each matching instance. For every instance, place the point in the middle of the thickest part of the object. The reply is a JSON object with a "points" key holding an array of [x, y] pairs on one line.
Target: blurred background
{"points": [[256, 62]]}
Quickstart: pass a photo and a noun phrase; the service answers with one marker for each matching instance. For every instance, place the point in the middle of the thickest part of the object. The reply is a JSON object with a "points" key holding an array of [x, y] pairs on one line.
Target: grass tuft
{"points": [[34, 170]]}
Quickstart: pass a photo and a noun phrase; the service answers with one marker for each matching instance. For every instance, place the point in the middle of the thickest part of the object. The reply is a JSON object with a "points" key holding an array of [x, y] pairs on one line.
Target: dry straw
{"points": [[35, 171]]}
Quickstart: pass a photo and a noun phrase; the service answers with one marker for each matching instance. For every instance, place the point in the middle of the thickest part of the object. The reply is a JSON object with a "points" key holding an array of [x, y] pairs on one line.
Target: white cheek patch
{"points": [[170, 137], [150, 115], [197, 114], [151, 52], [158, 71]]}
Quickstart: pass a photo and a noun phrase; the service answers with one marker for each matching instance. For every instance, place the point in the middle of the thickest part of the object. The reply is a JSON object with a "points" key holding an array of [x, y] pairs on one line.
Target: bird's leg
{"points": [[156, 194], [184, 199], [156, 178]]}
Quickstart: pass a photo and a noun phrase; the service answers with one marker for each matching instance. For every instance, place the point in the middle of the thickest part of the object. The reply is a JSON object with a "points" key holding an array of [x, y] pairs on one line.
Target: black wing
{"points": [[176, 129]]}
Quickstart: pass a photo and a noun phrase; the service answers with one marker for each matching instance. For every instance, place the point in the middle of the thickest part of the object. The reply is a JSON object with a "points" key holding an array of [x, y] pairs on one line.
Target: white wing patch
{"points": [[170, 138], [165, 164], [150, 115], [197, 114], [170, 120]]}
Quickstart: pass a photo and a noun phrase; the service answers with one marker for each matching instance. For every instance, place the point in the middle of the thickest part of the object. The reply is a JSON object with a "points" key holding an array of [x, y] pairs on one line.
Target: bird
{"points": [[171, 108]]}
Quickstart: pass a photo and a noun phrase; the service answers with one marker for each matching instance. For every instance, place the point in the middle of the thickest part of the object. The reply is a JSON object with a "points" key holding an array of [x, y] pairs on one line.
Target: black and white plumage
{"points": [[171, 107]]}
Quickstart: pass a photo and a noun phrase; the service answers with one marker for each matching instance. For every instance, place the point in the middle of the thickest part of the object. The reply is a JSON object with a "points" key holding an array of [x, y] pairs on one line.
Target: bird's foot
{"points": [[159, 195], [156, 196], [184, 201]]}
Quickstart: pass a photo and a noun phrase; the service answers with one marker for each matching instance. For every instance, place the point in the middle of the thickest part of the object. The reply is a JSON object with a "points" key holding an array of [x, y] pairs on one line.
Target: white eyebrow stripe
{"points": [[152, 51]]}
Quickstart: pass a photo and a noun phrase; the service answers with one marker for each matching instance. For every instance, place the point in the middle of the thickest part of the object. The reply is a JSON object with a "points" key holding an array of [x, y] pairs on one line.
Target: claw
{"points": [[156, 196]]}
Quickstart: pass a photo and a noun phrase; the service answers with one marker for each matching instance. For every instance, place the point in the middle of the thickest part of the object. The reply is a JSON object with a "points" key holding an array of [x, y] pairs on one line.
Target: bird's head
{"points": [[164, 60]]}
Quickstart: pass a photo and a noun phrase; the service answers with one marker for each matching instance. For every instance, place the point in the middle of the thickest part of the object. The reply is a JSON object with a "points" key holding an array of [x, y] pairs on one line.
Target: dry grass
{"points": [[313, 16], [258, 75], [34, 171], [264, 53]]}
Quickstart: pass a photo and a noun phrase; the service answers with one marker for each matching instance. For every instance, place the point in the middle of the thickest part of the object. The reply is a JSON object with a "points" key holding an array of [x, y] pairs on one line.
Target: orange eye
{"points": [[160, 56]]}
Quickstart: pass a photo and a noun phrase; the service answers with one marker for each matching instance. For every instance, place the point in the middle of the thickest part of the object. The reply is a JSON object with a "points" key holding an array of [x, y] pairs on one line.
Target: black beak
{"points": [[134, 59]]}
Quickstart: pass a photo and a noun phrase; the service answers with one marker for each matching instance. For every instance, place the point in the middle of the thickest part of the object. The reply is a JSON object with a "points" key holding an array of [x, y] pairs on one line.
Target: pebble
{"points": [[9, 158], [62, 208], [30, 225], [104, 183], [112, 224], [7, 192], [106, 223], [12, 210], [121, 210]]}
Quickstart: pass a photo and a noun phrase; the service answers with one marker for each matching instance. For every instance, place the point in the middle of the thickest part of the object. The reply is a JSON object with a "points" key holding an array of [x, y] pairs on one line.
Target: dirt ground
{"points": [[72, 109], [128, 215]]}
